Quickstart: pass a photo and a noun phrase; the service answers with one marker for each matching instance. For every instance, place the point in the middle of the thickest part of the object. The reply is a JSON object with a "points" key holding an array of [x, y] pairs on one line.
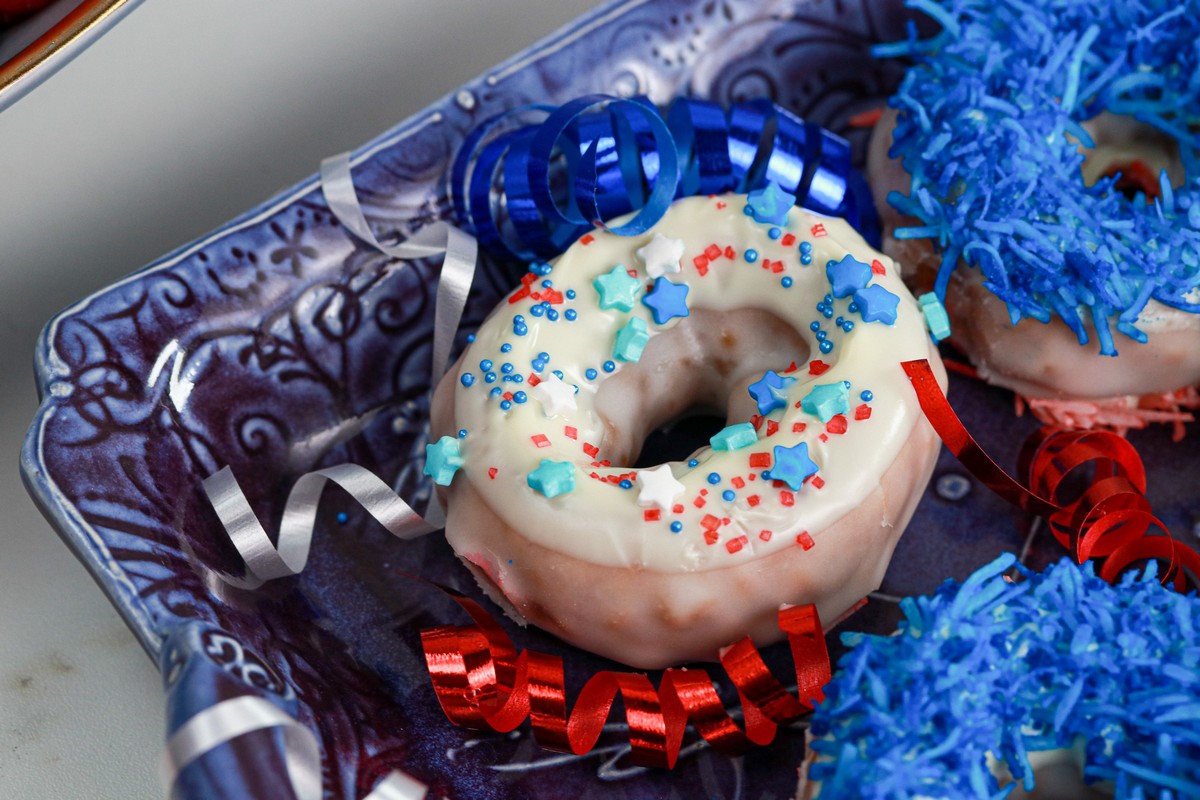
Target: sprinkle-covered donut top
{"points": [[990, 127], [537, 425], [990, 671]]}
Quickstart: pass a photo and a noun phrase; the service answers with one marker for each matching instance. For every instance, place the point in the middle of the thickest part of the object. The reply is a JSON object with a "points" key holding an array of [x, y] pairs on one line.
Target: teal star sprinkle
{"points": [[770, 204], [734, 437], [667, 300], [617, 289], [552, 478], [770, 391], [827, 400], [631, 340], [442, 460], [793, 466]]}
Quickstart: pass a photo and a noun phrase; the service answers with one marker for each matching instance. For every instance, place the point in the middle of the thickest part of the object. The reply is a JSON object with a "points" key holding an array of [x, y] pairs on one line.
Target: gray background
{"points": [[185, 114]]}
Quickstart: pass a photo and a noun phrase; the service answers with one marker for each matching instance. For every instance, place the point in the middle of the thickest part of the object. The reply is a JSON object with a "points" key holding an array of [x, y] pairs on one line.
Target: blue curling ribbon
{"points": [[529, 189]]}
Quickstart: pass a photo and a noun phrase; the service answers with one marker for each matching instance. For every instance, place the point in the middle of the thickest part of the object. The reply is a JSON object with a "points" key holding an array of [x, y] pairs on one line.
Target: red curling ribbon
{"points": [[1110, 521], [482, 682]]}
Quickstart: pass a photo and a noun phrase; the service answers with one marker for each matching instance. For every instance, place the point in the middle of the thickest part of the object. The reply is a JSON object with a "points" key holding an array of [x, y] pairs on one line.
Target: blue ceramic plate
{"points": [[279, 344]]}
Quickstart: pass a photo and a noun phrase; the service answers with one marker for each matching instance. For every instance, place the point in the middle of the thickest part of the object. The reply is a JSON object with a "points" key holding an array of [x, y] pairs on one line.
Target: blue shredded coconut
{"points": [[1060, 658], [989, 118]]}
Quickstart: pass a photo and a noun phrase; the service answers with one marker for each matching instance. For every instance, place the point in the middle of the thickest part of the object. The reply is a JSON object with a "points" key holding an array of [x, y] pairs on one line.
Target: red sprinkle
{"points": [[837, 424], [730, 252], [817, 367], [699, 502], [492, 472], [804, 540], [507, 395], [772, 426], [552, 296], [753, 500], [765, 535], [677, 508], [866, 119], [817, 481], [788, 239], [787, 498], [758, 460], [791, 367], [777, 267], [710, 523], [737, 482], [533, 380], [540, 440], [701, 265], [798, 427], [570, 432], [587, 239], [823, 437], [652, 515], [877, 267], [711, 537], [591, 450], [862, 412], [818, 231], [721, 203], [712, 252], [734, 545]]}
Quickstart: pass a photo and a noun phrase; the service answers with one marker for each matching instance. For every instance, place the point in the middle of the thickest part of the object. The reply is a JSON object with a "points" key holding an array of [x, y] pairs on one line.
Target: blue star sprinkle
{"points": [[793, 466], [552, 478], [827, 400], [770, 391], [770, 204], [848, 275], [617, 289], [442, 460], [877, 304], [667, 300]]}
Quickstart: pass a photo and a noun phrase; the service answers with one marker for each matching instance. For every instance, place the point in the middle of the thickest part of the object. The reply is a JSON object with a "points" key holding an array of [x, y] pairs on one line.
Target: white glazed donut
{"points": [[542, 418]]}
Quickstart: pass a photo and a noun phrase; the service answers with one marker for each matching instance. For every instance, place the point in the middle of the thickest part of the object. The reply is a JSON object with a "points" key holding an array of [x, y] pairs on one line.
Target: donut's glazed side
{"points": [[651, 619], [649, 611]]}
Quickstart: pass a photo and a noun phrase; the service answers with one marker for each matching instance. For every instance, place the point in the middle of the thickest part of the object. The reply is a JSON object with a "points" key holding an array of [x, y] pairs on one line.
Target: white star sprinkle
{"points": [[658, 487], [661, 256], [555, 395]]}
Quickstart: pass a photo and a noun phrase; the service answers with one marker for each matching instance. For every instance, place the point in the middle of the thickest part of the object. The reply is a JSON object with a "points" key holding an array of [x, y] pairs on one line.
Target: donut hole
{"points": [[1138, 152], [692, 379]]}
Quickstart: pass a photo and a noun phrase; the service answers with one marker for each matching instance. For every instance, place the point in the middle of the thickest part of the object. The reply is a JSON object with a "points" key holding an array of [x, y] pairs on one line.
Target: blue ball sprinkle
{"points": [[485, 365], [343, 518], [570, 294], [822, 336], [590, 374], [557, 373], [462, 433], [547, 284], [552, 314], [750, 255], [806, 247], [676, 526], [467, 379], [786, 281], [827, 312], [496, 392], [506, 367], [626, 484], [714, 478], [806, 260], [693, 462], [520, 330], [505, 348], [538, 311], [517, 378], [519, 397], [848, 325], [506, 404], [470, 338], [728, 495], [570, 314], [825, 345], [774, 233], [608, 366], [867, 395], [489, 377], [814, 326], [543, 356]]}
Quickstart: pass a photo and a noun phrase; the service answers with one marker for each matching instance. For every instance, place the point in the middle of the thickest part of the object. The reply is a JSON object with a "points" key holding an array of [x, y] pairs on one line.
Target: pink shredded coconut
{"points": [[1119, 414]]}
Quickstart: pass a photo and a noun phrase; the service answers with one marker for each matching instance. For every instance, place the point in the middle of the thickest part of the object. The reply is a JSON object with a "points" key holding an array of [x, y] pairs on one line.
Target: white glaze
{"points": [[604, 524]]}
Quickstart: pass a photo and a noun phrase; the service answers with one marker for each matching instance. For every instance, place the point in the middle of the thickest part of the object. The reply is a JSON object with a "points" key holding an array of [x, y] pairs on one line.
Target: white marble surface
{"points": [[185, 114]]}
